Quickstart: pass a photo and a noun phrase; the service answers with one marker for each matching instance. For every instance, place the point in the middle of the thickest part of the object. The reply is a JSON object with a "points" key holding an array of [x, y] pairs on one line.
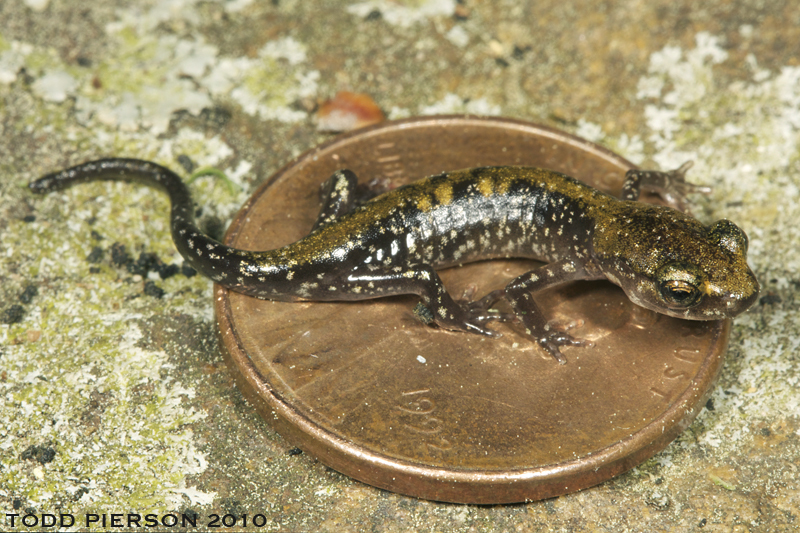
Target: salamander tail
{"points": [[206, 255]]}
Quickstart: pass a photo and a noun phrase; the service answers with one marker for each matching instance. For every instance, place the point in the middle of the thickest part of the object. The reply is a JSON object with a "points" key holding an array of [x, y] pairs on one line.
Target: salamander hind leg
{"points": [[437, 306], [518, 294], [338, 197], [468, 311], [341, 193], [482, 309]]}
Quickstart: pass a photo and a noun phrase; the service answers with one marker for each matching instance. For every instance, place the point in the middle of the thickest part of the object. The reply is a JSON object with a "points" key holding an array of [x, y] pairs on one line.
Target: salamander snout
{"points": [[739, 302], [732, 281], [721, 285]]}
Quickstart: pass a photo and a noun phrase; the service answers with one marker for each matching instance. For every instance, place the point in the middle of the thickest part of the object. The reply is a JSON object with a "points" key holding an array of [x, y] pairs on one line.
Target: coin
{"points": [[373, 393]]}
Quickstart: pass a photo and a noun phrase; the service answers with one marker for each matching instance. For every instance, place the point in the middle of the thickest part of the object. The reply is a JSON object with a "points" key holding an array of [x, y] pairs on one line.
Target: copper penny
{"points": [[373, 393]]}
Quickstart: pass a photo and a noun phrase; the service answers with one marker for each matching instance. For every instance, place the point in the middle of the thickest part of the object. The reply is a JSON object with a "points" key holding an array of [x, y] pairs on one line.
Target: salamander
{"points": [[661, 257]]}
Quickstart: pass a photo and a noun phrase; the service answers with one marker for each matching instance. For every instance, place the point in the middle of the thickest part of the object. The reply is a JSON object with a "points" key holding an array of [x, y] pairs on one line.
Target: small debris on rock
{"points": [[147, 262], [28, 294], [186, 162], [151, 289], [348, 111], [187, 270], [461, 12], [96, 255], [43, 454], [167, 271], [119, 255], [12, 315]]}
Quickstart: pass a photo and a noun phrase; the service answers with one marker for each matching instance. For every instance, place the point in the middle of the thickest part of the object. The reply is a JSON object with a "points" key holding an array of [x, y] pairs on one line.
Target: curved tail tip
{"points": [[42, 185], [36, 187]]}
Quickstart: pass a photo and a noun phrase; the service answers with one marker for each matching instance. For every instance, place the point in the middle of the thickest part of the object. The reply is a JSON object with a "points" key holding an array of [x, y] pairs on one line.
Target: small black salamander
{"points": [[662, 258]]}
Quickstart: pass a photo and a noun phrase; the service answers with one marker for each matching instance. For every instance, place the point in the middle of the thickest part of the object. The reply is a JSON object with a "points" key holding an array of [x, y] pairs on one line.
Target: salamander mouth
{"points": [[699, 314], [738, 305]]}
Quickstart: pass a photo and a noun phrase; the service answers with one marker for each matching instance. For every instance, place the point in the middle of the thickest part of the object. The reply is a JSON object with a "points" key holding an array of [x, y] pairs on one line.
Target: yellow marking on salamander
{"points": [[486, 186], [444, 193]]}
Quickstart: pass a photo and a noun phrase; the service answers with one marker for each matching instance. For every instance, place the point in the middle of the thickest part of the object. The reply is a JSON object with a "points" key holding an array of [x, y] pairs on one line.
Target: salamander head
{"points": [[674, 265]]}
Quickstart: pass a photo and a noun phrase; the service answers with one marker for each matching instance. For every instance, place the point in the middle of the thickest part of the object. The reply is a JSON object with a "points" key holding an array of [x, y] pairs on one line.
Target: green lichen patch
{"points": [[130, 448], [78, 379], [74, 373]]}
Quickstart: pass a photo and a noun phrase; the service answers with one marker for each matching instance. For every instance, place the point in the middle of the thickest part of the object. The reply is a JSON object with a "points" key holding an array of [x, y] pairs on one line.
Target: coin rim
{"points": [[461, 485]]}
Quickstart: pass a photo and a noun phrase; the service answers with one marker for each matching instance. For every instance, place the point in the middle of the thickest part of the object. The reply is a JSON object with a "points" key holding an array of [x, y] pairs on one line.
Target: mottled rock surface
{"points": [[114, 395]]}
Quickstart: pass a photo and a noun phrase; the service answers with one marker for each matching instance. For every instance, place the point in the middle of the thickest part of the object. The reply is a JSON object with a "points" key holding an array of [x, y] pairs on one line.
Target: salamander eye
{"points": [[679, 293], [679, 284]]}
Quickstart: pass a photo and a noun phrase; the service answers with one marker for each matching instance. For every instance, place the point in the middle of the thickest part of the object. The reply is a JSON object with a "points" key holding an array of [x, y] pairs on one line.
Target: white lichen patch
{"points": [[152, 75], [37, 5], [747, 128], [765, 385], [458, 36], [268, 85], [739, 133], [148, 80], [404, 13], [148, 15], [452, 103], [589, 130], [632, 148], [398, 113], [55, 86], [12, 58]]}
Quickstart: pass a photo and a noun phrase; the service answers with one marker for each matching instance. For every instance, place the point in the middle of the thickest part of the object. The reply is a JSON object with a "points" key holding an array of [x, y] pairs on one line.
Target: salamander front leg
{"points": [[671, 186], [518, 294]]}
